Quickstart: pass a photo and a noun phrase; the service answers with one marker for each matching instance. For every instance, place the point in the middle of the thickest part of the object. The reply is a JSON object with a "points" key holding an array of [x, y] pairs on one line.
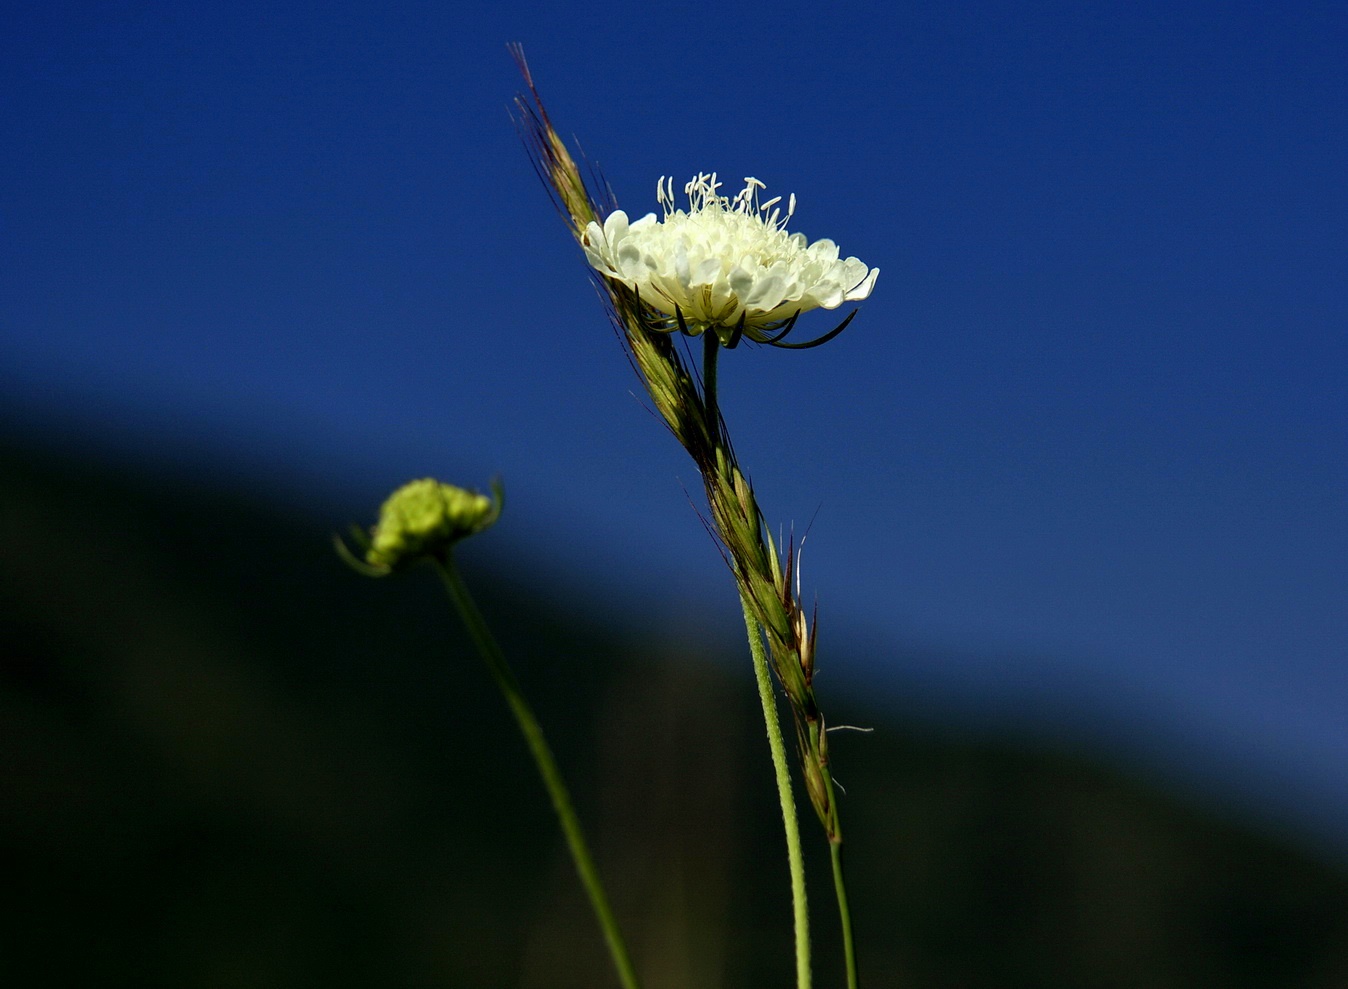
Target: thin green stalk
{"points": [[790, 824], [844, 913], [547, 766], [711, 349], [795, 859]]}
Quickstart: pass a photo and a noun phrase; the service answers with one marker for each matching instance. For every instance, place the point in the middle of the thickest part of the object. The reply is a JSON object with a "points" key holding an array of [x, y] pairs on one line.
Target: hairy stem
{"points": [[795, 859]]}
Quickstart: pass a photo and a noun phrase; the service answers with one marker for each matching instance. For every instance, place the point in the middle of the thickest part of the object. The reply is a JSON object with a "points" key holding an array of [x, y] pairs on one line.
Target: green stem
{"points": [[844, 913], [795, 860], [790, 824], [711, 349], [547, 766]]}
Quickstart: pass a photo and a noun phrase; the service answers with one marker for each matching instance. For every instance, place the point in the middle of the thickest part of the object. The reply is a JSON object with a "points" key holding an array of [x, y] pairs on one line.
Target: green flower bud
{"points": [[425, 518]]}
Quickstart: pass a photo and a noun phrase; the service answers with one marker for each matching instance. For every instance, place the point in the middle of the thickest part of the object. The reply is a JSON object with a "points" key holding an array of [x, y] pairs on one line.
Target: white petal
{"points": [[742, 284], [627, 259], [769, 292], [682, 270], [707, 272], [615, 227], [825, 249], [864, 288]]}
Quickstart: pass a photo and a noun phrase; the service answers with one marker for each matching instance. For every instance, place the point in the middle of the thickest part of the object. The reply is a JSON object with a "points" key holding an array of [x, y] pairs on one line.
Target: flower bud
{"points": [[425, 518]]}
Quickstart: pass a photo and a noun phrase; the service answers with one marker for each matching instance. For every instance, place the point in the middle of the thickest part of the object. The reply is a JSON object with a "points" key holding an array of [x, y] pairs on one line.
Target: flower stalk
{"points": [[547, 766], [423, 521], [725, 270], [795, 860]]}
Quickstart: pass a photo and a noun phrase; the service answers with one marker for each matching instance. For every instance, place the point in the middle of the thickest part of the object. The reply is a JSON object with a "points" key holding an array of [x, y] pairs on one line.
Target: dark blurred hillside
{"points": [[229, 761]]}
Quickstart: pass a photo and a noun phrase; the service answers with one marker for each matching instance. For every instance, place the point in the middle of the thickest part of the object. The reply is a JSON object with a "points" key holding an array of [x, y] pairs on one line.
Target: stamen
{"points": [[664, 194]]}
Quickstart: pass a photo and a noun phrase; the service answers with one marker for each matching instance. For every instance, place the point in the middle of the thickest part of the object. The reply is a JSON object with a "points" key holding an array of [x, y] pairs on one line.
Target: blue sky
{"points": [[1085, 447]]}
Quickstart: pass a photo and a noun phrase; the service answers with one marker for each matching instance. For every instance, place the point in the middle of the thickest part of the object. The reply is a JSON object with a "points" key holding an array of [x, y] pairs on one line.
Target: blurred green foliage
{"points": [[229, 761]]}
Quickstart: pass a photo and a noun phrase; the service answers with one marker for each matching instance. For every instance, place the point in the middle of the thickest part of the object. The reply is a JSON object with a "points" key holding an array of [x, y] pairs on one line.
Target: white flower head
{"points": [[725, 265]]}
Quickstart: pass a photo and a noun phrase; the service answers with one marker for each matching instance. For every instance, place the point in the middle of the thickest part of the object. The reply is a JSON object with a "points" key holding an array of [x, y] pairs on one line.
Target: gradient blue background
{"points": [[1079, 464]]}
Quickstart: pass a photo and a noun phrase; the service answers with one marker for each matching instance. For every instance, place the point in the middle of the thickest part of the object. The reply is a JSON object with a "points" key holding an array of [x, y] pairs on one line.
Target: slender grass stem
{"points": [[795, 859], [547, 766], [844, 912], [790, 823]]}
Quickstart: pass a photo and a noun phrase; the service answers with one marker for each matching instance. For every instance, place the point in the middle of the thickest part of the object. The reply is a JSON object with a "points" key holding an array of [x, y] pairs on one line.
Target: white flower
{"points": [[724, 265]]}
